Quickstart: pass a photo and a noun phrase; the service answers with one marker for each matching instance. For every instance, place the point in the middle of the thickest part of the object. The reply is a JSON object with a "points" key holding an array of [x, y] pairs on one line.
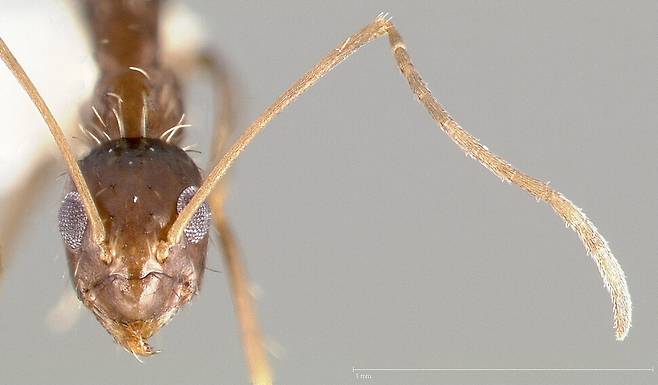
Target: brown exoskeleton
{"points": [[138, 185], [136, 237], [117, 218], [139, 179]]}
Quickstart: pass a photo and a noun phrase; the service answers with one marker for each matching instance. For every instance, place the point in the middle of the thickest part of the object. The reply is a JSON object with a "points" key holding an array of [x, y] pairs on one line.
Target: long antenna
{"points": [[97, 228], [613, 276]]}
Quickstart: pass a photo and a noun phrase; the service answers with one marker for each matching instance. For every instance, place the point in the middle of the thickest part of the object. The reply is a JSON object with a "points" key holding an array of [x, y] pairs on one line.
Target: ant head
{"points": [[139, 186]]}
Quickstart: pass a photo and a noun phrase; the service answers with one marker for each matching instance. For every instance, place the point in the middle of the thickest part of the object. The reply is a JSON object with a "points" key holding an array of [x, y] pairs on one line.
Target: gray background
{"points": [[373, 240]]}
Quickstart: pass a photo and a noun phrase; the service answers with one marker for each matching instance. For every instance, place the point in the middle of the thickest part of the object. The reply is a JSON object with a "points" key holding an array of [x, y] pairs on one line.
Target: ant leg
{"points": [[595, 245], [16, 203], [63, 315], [243, 301]]}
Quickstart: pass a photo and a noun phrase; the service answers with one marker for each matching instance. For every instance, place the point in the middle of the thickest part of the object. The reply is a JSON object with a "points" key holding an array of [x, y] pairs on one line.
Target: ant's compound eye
{"points": [[198, 226], [72, 220]]}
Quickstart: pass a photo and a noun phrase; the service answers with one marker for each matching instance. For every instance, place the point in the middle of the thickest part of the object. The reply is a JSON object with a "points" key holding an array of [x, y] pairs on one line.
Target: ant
{"points": [[137, 212]]}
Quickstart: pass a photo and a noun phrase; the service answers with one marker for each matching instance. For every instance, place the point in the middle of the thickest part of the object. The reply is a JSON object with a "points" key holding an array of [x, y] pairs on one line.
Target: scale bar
{"points": [[354, 370]]}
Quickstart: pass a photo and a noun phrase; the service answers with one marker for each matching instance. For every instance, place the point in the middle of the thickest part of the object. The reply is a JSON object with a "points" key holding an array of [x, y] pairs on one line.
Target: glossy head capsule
{"points": [[139, 186]]}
